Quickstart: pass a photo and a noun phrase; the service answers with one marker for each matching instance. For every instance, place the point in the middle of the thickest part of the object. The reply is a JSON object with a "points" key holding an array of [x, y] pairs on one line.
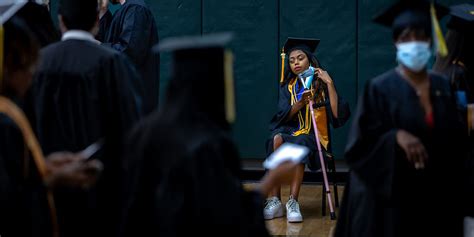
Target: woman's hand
{"points": [[71, 170], [324, 76], [305, 98], [414, 149]]}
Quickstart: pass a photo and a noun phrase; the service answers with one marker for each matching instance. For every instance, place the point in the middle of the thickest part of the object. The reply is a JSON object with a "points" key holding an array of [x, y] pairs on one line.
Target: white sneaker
{"points": [[273, 208], [293, 213]]}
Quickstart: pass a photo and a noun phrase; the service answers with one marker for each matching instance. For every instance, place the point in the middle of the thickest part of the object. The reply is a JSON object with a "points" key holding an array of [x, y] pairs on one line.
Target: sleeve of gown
{"points": [[284, 108], [128, 89], [371, 149], [134, 33], [104, 24], [343, 113]]}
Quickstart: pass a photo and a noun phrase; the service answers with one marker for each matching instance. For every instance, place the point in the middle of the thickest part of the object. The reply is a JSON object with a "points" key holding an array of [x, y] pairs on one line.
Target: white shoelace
{"points": [[293, 206], [270, 203]]}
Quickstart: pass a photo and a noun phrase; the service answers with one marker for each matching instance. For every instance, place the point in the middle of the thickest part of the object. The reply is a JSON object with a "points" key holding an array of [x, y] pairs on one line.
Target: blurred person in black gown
{"points": [[184, 175], [405, 146], [132, 30], [23, 191], [84, 92], [458, 66]]}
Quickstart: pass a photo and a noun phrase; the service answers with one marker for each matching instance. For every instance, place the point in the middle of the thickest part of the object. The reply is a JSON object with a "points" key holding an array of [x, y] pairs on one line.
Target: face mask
{"points": [[414, 55], [306, 77]]}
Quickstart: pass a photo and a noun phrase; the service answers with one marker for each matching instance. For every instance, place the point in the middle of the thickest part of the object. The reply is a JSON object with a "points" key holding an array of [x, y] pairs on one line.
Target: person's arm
{"points": [[333, 98], [298, 105], [134, 35]]}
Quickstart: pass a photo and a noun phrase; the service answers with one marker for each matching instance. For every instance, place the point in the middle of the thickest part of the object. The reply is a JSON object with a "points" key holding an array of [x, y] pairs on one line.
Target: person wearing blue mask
{"points": [[404, 149]]}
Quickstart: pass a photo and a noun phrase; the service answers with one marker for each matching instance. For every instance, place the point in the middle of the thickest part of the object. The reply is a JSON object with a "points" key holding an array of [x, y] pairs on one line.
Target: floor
{"points": [[314, 224]]}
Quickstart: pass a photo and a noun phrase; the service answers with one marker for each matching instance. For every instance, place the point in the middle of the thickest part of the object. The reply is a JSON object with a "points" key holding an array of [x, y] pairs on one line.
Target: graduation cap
{"points": [[204, 65], [307, 44], [421, 14], [462, 18], [8, 9], [291, 44]]}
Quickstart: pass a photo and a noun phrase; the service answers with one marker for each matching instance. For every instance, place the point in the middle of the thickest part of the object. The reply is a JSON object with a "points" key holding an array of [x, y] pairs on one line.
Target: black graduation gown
{"points": [[385, 195], [462, 81], [279, 125], [84, 92], [24, 209], [133, 31], [185, 181]]}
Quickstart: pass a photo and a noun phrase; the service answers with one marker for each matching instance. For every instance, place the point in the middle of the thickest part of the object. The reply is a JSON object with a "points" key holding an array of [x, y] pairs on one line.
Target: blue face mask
{"points": [[306, 77], [414, 55]]}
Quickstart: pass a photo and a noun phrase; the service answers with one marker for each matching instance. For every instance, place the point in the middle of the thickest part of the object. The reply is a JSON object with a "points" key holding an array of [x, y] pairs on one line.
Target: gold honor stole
{"points": [[304, 117]]}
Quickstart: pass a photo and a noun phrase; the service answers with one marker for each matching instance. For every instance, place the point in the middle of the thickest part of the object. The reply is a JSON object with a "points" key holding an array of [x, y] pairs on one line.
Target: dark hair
{"points": [[313, 61], [39, 20], [419, 22], [78, 14], [459, 51], [21, 47]]}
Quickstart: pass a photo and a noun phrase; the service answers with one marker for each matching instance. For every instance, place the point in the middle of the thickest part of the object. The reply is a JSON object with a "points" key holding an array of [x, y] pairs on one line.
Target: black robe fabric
{"points": [[84, 92], [387, 196], [462, 81], [24, 209], [185, 181], [133, 31], [280, 125]]}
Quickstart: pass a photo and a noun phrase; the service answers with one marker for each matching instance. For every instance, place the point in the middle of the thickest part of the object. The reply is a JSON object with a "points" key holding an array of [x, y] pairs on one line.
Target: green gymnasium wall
{"points": [[352, 50]]}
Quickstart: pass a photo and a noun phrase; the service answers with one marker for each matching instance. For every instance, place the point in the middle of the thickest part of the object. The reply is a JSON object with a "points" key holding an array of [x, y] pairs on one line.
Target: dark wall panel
{"points": [[175, 18], [255, 25], [334, 23]]}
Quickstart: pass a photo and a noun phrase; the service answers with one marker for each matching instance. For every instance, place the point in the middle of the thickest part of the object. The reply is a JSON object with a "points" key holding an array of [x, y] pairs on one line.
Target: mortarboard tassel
{"points": [[282, 75], [439, 42], [229, 86]]}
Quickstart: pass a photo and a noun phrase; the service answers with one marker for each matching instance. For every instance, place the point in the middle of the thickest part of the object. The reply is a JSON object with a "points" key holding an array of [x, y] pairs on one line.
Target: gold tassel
{"points": [[283, 55], [440, 43], [229, 86]]}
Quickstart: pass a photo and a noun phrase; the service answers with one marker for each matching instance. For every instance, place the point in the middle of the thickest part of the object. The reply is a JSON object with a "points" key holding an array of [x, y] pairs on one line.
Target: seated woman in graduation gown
{"points": [[404, 148], [185, 176], [84, 92], [24, 208], [458, 66], [292, 122]]}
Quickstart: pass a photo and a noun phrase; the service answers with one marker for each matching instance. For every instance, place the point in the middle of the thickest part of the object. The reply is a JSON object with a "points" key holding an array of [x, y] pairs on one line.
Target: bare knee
{"points": [[277, 141]]}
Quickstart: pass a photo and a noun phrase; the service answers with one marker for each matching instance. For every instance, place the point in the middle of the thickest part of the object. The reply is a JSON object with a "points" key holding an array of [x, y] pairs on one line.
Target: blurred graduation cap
{"points": [[462, 18], [291, 44], [204, 64], [421, 14], [8, 8]]}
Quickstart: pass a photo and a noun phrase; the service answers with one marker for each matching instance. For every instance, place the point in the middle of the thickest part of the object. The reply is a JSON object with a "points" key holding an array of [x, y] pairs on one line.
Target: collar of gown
{"points": [[79, 35]]}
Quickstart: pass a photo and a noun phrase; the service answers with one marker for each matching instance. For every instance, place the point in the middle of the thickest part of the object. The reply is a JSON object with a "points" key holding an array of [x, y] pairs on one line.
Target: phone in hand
{"points": [[91, 150]]}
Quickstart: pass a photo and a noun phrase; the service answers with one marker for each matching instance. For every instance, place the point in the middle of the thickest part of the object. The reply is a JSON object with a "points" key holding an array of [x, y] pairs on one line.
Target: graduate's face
{"points": [[299, 62], [115, 1]]}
